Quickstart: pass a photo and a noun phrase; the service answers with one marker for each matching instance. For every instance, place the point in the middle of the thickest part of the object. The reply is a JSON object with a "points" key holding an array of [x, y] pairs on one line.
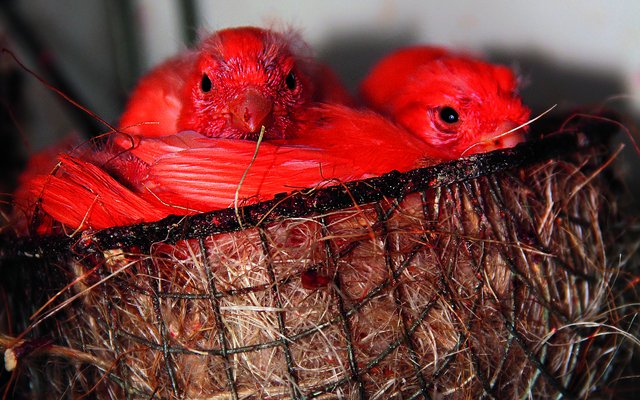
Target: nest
{"points": [[495, 276]]}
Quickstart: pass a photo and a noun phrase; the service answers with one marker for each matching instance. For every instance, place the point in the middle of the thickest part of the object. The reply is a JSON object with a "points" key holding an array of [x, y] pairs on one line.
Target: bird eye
{"points": [[290, 80], [205, 84], [449, 115]]}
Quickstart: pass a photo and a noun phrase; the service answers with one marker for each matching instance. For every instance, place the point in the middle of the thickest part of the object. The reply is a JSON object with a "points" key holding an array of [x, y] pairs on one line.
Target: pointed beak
{"points": [[250, 110], [500, 139]]}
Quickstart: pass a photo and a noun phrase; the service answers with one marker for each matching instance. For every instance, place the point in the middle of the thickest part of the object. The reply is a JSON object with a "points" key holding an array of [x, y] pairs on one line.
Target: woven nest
{"points": [[497, 276]]}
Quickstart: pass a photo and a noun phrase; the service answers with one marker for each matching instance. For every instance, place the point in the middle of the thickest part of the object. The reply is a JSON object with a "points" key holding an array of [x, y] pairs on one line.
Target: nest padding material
{"points": [[497, 276]]}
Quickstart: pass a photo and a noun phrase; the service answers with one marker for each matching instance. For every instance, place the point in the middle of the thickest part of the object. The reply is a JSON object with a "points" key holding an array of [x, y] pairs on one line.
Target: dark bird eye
{"points": [[290, 80], [449, 115], [205, 84]]}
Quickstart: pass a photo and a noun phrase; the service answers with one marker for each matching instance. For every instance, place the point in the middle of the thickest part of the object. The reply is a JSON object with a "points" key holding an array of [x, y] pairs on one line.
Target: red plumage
{"points": [[81, 194], [237, 80], [458, 104], [336, 144], [188, 173], [148, 176]]}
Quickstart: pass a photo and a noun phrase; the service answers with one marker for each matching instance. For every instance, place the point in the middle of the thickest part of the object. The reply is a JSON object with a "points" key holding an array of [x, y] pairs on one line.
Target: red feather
{"points": [[335, 144], [187, 173], [83, 195]]}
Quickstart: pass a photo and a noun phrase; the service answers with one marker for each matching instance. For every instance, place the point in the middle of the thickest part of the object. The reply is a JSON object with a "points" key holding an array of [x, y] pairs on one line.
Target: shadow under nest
{"points": [[494, 276]]}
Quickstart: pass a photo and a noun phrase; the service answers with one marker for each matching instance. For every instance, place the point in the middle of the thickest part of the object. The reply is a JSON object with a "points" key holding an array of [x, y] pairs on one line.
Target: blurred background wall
{"points": [[570, 52]]}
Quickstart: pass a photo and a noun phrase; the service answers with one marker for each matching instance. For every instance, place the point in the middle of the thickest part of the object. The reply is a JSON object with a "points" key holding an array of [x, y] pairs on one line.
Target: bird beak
{"points": [[502, 138], [250, 110]]}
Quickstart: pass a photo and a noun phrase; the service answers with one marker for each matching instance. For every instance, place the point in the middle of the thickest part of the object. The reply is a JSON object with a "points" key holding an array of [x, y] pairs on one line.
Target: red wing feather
{"points": [[99, 201]]}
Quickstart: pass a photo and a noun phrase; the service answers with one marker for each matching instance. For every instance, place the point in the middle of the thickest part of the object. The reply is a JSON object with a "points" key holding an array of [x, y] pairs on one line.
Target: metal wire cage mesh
{"points": [[491, 277]]}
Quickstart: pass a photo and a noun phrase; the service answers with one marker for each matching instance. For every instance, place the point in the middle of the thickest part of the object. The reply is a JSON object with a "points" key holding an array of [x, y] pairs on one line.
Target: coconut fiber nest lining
{"points": [[503, 275]]}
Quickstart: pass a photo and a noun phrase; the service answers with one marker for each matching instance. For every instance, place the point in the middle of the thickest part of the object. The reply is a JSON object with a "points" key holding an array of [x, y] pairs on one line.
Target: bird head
{"points": [[461, 106], [245, 78]]}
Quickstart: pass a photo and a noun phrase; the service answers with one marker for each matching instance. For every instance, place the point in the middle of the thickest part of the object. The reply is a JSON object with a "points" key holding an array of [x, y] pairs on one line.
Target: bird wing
{"points": [[99, 201], [208, 178], [336, 144]]}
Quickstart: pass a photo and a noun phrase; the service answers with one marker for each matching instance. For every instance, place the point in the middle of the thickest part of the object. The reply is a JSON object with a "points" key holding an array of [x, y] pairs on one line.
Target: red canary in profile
{"points": [[458, 104], [236, 81]]}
